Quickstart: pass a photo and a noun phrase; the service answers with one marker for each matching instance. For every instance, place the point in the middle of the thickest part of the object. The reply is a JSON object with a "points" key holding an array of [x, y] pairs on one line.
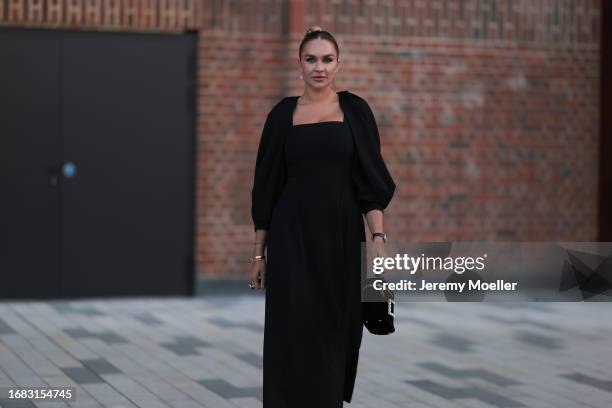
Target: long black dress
{"points": [[313, 326]]}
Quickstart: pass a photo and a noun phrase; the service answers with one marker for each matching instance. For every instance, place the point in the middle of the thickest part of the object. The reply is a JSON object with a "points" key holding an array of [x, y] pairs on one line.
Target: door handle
{"points": [[69, 169]]}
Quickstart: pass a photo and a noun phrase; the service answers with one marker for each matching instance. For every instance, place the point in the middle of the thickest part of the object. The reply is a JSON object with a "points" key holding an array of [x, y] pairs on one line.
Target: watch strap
{"points": [[380, 234]]}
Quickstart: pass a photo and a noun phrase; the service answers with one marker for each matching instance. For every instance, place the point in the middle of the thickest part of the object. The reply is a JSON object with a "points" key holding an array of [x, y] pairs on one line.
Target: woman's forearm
{"points": [[260, 242], [375, 221]]}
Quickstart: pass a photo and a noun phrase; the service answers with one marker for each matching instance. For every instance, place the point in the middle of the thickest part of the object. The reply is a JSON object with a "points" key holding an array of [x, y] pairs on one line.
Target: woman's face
{"points": [[319, 63]]}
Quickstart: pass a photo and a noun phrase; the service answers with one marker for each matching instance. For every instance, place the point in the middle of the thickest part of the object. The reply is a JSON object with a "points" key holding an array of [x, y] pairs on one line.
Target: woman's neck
{"points": [[328, 95]]}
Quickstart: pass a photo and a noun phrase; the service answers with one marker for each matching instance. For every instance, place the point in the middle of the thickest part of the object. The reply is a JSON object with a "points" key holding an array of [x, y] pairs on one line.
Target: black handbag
{"points": [[378, 313]]}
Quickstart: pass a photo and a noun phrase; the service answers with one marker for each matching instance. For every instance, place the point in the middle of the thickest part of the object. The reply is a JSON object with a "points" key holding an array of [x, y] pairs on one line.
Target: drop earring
{"points": [[301, 77]]}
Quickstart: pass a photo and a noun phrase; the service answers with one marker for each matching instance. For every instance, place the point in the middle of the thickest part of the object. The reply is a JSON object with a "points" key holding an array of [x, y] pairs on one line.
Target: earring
{"points": [[301, 77]]}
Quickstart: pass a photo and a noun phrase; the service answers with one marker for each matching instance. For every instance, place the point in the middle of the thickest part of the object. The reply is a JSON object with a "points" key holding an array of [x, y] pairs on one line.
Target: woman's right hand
{"points": [[257, 274]]}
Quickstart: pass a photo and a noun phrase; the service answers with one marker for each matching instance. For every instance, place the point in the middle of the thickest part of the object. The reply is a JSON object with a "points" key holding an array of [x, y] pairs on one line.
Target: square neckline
{"points": [[316, 123], [324, 121]]}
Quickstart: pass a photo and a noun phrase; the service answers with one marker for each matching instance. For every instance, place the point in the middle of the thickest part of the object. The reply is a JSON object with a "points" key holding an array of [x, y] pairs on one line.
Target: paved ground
{"points": [[206, 352]]}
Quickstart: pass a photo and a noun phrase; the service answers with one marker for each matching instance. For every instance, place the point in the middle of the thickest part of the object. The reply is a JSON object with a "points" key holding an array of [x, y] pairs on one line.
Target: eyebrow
{"points": [[326, 55]]}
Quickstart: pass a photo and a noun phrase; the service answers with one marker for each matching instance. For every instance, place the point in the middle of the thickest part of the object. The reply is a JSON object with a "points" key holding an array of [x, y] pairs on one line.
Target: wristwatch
{"points": [[380, 234]]}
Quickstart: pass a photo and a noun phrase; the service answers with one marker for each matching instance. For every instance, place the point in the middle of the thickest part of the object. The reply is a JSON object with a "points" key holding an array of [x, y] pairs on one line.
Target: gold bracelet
{"points": [[258, 258]]}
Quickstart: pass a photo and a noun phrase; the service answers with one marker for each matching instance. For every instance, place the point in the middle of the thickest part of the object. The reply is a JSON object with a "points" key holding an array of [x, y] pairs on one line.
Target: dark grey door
{"points": [[127, 212], [30, 154], [126, 119]]}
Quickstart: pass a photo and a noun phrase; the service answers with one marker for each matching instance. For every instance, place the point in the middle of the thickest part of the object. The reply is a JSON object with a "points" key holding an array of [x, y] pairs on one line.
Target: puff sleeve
{"points": [[270, 173], [373, 182]]}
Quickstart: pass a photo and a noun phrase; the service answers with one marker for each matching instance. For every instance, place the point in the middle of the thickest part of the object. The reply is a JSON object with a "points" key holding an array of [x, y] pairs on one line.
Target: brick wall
{"points": [[488, 110]]}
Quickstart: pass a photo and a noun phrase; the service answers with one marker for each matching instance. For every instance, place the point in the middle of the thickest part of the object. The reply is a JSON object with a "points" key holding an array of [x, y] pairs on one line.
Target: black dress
{"points": [[313, 326]]}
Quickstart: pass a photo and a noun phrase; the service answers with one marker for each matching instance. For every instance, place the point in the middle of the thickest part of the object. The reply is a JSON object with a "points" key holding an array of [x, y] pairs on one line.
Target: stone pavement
{"points": [[206, 352]]}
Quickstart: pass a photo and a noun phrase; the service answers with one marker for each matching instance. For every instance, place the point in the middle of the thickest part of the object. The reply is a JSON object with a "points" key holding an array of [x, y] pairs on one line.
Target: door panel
{"points": [[29, 153], [127, 212]]}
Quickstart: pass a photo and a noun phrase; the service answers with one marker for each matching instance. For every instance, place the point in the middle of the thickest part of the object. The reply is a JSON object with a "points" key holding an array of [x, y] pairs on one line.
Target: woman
{"points": [[318, 169]]}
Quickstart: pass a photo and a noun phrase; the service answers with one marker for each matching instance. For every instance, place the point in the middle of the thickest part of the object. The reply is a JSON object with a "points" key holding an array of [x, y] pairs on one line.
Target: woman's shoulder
{"points": [[359, 102], [355, 97], [281, 107]]}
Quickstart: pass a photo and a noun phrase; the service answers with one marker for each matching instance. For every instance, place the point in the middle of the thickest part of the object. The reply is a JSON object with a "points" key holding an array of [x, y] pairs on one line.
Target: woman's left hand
{"points": [[379, 248]]}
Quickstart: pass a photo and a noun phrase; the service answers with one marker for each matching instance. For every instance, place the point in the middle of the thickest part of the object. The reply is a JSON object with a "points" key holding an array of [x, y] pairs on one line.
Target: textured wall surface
{"points": [[488, 110]]}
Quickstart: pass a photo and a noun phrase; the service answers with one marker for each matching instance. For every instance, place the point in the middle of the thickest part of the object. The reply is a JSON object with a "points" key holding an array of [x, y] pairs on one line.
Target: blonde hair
{"points": [[313, 29]]}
